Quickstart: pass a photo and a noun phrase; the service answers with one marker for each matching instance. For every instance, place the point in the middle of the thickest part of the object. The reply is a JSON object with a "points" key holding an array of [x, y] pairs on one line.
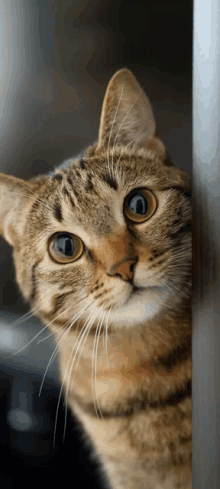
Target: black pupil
{"points": [[64, 243], [138, 204]]}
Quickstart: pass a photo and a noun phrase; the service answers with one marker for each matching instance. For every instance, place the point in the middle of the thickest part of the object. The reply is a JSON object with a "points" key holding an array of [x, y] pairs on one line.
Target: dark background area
{"points": [[60, 57]]}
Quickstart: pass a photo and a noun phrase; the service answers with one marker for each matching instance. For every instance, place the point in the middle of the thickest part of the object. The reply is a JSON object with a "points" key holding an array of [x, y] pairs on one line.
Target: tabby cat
{"points": [[102, 251]]}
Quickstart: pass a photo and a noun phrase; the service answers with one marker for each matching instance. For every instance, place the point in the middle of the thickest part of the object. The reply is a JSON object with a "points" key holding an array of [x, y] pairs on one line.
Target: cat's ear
{"points": [[127, 115], [14, 197]]}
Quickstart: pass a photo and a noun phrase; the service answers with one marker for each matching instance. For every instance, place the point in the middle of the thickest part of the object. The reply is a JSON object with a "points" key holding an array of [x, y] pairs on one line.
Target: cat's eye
{"points": [[65, 247], [140, 205]]}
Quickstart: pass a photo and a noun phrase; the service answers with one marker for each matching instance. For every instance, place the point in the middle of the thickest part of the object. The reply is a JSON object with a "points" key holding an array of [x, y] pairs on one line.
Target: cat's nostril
{"points": [[124, 269]]}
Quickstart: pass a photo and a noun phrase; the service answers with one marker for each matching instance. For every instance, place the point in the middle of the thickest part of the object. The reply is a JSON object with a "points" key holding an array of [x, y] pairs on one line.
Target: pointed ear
{"points": [[126, 112], [14, 197]]}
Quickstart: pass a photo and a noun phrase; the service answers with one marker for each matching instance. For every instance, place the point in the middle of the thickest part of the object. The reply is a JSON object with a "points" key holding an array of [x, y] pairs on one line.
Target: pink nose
{"points": [[124, 268]]}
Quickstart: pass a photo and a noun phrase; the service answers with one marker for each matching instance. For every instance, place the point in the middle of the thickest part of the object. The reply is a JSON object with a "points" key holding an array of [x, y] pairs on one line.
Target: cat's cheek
{"points": [[111, 293], [146, 278], [120, 293]]}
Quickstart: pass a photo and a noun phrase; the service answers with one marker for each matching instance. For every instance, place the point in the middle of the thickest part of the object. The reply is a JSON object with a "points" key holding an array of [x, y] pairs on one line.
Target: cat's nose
{"points": [[124, 268]]}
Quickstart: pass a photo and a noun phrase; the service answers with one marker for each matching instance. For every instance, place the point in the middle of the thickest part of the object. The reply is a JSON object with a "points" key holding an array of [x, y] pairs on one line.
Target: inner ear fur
{"points": [[14, 197], [127, 116]]}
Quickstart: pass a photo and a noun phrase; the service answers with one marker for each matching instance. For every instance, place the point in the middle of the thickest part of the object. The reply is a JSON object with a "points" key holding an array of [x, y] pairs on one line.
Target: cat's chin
{"points": [[142, 304]]}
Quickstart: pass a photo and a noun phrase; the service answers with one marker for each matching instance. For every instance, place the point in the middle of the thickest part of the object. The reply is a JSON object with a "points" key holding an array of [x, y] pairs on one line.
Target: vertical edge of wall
{"points": [[206, 245]]}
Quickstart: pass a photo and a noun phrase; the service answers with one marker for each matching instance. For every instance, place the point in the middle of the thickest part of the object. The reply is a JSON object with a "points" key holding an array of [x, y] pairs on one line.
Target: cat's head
{"points": [[110, 234]]}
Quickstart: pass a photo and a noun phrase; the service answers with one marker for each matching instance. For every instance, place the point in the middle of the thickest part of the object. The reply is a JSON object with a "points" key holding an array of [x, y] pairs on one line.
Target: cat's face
{"points": [[108, 238]]}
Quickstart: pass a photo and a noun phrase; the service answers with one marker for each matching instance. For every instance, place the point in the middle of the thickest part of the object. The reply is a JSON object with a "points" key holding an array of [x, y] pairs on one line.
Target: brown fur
{"points": [[133, 400]]}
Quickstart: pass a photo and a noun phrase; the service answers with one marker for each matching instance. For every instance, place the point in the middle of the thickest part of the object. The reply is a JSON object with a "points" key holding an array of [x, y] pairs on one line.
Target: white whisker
{"points": [[84, 335], [63, 327], [63, 337], [181, 292], [81, 333], [25, 317], [25, 346], [41, 331], [52, 334], [106, 336], [94, 364]]}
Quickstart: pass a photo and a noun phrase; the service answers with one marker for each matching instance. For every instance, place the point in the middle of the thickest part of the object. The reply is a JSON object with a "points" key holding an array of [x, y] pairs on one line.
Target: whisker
{"points": [[180, 265], [178, 260], [93, 374], [106, 337], [175, 280], [63, 337], [41, 331], [95, 400], [166, 285], [181, 254], [25, 346], [181, 292], [98, 331], [61, 389], [181, 274], [84, 335], [25, 317], [94, 353], [52, 334], [63, 312]]}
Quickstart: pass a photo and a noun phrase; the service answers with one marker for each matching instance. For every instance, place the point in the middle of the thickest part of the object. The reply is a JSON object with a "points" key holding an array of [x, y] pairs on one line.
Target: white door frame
{"points": [[206, 245]]}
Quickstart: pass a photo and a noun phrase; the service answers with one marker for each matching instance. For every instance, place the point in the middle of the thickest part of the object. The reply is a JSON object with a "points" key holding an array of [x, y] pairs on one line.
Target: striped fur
{"points": [[123, 308]]}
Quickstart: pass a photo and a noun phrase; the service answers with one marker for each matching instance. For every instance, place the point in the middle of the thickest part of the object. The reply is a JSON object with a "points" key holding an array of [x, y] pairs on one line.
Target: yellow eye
{"points": [[65, 247], [140, 205]]}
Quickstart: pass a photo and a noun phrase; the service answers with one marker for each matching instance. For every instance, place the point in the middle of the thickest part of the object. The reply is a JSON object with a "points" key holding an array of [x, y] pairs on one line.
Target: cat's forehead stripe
{"points": [[57, 211], [58, 177], [111, 181], [89, 184], [68, 195]]}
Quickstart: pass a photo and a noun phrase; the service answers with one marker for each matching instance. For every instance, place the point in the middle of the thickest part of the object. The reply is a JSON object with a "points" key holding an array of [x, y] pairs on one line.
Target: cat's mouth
{"points": [[141, 304], [135, 289], [141, 289], [138, 292]]}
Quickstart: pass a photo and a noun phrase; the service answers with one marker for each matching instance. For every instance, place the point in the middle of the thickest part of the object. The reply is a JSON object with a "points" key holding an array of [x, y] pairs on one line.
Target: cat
{"points": [[102, 252]]}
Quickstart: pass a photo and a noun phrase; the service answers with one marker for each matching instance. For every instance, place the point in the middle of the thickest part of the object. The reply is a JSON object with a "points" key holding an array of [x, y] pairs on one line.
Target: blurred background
{"points": [[56, 59]]}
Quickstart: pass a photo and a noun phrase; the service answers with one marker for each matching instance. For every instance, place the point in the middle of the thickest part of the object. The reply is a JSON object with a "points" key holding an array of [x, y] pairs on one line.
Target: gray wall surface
{"points": [[206, 252]]}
